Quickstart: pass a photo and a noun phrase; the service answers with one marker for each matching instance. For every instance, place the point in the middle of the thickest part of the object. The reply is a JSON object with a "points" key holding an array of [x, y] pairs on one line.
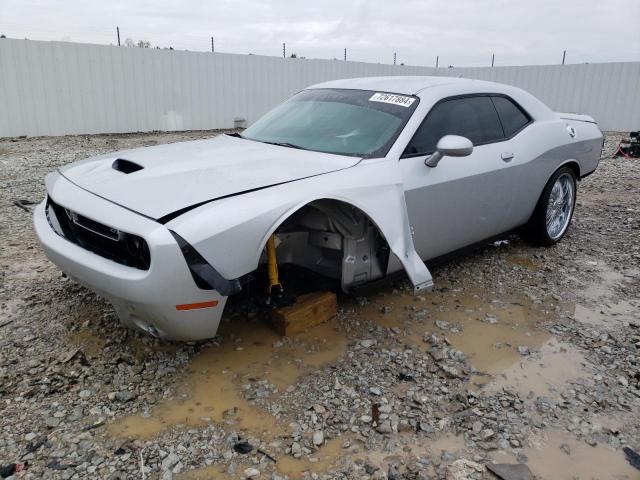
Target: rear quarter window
{"points": [[513, 118]]}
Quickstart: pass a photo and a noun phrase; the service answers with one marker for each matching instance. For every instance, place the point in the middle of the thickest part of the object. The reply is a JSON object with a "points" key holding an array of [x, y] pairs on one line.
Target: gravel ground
{"points": [[521, 355]]}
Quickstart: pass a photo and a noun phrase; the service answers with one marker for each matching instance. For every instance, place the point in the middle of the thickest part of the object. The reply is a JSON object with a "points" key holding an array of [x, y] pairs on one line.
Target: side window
{"points": [[471, 117], [512, 117]]}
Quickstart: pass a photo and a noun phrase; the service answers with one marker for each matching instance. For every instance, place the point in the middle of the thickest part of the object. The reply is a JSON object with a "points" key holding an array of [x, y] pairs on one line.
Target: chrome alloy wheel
{"points": [[560, 206]]}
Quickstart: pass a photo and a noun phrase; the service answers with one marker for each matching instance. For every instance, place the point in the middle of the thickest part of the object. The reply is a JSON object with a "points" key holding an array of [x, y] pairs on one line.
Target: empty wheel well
{"points": [[335, 239]]}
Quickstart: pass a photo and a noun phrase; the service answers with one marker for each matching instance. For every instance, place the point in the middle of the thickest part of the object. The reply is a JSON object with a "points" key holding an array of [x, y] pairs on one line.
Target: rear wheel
{"points": [[554, 211]]}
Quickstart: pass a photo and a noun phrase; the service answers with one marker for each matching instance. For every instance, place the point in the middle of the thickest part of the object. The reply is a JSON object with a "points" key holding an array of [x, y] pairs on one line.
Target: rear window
{"points": [[512, 117]]}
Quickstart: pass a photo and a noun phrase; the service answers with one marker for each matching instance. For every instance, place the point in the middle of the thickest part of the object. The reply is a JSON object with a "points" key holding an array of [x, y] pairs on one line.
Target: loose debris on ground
{"points": [[521, 356]]}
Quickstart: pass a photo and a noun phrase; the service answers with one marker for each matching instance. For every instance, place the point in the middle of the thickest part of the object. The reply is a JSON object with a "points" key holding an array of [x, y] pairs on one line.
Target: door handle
{"points": [[507, 156]]}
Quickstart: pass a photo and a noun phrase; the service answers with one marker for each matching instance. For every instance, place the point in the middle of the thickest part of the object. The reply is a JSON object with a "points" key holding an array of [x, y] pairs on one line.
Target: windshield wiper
{"points": [[285, 144], [235, 134]]}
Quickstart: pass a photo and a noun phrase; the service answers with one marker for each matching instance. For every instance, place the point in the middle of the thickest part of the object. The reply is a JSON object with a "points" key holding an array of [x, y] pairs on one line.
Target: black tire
{"points": [[536, 230]]}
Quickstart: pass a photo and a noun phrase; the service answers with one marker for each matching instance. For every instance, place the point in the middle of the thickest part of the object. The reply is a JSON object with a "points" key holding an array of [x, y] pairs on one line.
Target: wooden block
{"points": [[309, 310]]}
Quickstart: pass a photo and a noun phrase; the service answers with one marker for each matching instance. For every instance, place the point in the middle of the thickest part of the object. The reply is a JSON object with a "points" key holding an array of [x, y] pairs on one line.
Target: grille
{"points": [[124, 248]]}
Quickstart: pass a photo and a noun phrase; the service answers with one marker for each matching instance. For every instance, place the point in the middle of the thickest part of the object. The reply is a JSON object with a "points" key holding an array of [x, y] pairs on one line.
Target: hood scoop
{"points": [[126, 166]]}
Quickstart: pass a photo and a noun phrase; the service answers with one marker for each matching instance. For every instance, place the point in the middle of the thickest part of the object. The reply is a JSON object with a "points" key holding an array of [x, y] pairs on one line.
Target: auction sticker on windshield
{"points": [[401, 100]]}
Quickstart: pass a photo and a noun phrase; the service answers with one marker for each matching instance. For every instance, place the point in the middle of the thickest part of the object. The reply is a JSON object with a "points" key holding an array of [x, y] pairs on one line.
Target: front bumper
{"points": [[146, 299]]}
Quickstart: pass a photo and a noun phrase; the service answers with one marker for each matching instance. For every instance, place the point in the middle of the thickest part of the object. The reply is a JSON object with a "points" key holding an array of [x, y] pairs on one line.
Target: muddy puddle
{"points": [[548, 459], [607, 315], [327, 457], [504, 340], [212, 390], [523, 260], [545, 372], [343, 449], [92, 345]]}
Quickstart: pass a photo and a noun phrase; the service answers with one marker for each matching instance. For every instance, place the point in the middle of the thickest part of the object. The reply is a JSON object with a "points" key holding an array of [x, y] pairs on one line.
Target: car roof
{"points": [[407, 85], [432, 89]]}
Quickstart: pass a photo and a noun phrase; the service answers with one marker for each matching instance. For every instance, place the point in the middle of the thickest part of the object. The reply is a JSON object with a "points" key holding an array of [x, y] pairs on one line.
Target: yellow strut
{"points": [[272, 264]]}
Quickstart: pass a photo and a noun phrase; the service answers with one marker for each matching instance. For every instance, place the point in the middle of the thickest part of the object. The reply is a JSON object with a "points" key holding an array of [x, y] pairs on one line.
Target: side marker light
{"points": [[194, 306]]}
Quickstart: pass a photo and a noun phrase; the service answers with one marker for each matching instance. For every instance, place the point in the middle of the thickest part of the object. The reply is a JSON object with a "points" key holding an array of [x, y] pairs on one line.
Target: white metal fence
{"points": [[58, 88]]}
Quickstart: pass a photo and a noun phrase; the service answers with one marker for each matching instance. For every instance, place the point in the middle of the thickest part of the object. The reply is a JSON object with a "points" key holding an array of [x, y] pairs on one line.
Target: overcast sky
{"points": [[461, 32]]}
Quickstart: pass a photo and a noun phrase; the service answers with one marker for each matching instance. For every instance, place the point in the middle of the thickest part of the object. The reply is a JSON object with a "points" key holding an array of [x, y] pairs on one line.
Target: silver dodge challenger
{"points": [[352, 179]]}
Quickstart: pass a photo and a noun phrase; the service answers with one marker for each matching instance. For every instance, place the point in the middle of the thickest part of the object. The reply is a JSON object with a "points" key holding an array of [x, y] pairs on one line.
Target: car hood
{"points": [[181, 175]]}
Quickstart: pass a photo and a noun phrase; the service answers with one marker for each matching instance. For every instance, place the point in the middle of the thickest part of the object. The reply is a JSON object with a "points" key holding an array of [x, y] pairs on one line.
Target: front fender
{"points": [[231, 233]]}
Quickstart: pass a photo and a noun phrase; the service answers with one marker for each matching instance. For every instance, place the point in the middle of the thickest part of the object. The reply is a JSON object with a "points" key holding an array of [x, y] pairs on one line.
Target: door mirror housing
{"points": [[449, 146]]}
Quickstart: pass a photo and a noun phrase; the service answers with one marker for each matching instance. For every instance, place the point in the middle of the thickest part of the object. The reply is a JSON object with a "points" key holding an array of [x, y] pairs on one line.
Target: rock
{"points": [[447, 456], [463, 469], [477, 426], [166, 475], [375, 391], [125, 396], [451, 371], [367, 343], [491, 319], [507, 471], [442, 325], [384, 427], [296, 449], [523, 350], [565, 449], [486, 434], [318, 438], [251, 473], [84, 394], [169, 462], [52, 422]]}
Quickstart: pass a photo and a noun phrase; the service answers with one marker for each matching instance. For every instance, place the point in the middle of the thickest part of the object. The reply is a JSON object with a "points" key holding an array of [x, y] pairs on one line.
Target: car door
{"points": [[462, 200]]}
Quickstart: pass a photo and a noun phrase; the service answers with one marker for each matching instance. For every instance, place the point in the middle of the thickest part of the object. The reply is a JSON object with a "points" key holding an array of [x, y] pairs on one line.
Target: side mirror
{"points": [[450, 146]]}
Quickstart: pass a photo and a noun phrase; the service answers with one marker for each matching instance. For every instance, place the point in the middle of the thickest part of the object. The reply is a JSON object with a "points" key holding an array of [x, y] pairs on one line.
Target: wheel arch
{"points": [[334, 224], [571, 163], [322, 198]]}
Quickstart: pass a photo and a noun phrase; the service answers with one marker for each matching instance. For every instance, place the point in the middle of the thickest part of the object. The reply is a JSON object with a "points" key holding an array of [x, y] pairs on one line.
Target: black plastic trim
{"points": [[205, 276]]}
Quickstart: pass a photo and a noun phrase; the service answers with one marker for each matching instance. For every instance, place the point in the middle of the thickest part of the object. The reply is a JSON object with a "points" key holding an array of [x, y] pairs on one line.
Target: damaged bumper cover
{"points": [[163, 299]]}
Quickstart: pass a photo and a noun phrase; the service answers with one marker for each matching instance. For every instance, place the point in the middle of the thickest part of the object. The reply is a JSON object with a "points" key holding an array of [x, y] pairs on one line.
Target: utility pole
{"points": [[345, 54], [118, 32], [564, 54], [394, 58], [212, 47], [493, 57], [437, 59], [284, 50]]}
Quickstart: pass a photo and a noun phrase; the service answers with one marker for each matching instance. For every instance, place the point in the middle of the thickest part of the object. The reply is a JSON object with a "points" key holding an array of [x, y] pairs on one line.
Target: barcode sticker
{"points": [[401, 100]]}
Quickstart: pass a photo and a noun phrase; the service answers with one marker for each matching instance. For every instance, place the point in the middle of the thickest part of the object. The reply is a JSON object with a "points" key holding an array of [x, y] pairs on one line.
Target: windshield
{"points": [[359, 123]]}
